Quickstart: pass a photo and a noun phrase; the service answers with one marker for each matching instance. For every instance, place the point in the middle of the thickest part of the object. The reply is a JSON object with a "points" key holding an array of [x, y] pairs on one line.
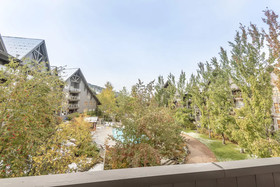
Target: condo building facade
{"points": [[79, 96]]}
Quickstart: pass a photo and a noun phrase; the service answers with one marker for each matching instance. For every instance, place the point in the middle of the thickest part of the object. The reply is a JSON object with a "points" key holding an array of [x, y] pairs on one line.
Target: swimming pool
{"points": [[117, 134]]}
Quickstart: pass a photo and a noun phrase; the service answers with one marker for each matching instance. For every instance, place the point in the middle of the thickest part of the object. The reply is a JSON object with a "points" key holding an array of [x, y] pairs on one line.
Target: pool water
{"points": [[117, 134]]}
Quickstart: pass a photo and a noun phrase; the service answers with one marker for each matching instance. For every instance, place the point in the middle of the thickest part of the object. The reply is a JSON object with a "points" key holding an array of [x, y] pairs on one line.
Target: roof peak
{"points": [[20, 47], [21, 37]]}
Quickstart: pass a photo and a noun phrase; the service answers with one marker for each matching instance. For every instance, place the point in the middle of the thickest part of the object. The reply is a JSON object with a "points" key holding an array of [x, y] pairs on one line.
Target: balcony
{"points": [[73, 106], [237, 96], [74, 90], [73, 98], [246, 173]]}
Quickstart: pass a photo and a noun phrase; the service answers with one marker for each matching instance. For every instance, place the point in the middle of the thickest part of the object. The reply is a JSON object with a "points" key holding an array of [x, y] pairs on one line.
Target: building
{"points": [[23, 49], [275, 110], [95, 88], [78, 93], [238, 102], [4, 57], [27, 50]]}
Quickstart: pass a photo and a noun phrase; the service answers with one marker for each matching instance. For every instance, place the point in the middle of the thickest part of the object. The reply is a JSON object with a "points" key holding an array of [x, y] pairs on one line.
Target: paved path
{"points": [[101, 137], [199, 152]]}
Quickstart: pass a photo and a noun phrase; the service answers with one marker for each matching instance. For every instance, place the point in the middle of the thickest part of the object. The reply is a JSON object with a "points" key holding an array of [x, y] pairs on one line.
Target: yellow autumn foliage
{"points": [[71, 144]]}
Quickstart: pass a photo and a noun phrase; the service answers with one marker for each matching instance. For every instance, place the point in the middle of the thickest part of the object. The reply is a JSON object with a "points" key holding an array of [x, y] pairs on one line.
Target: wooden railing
{"points": [[74, 90], [245, 173], [73, 106], [74, 98]]}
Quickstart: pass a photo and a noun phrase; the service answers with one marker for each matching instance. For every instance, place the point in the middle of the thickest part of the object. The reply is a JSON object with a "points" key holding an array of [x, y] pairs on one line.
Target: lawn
{"points": [[222, 152]]}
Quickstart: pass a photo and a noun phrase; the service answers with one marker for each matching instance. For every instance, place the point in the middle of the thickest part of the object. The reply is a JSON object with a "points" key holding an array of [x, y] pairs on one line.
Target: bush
{"points": [[72, 143], [30, 98], [146, 129], [139, 155], [73, 115], [184, 118], [87, 149]]}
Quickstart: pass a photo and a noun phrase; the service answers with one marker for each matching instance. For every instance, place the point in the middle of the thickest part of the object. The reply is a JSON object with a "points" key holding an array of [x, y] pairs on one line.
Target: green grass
{"points": [[227, 152]]}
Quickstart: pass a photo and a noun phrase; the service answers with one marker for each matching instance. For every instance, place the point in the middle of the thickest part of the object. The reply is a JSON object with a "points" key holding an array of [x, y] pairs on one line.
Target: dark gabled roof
{"points": [[67, 73]]}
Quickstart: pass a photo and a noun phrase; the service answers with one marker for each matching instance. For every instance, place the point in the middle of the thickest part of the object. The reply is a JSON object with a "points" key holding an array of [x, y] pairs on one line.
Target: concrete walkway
{"points": [[101, 137]]}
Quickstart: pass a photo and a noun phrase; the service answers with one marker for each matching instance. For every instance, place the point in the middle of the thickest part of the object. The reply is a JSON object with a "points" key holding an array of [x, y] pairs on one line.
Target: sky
{"points": [[121, 41]]}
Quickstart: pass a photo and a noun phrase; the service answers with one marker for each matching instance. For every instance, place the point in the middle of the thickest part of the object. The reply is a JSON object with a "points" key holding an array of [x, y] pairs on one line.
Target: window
{"points": [[276, 108], [278, 123], [75, 85], [239, 104], [275, 92]]}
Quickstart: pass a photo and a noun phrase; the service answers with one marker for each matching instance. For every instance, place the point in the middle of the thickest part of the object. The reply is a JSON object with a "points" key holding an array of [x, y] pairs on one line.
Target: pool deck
{"points": [[101, 136]]}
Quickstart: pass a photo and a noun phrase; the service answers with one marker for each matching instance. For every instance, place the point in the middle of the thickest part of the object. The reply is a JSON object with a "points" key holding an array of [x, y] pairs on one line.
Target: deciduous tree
{"points": [[146, 128], [30, 97], [251, 74], [108, 101]]}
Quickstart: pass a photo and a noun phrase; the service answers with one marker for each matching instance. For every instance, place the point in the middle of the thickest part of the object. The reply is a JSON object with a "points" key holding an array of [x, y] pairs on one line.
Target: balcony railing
{"points": [[246, 173], [73, 106], [74, 90], [73, 98], [237, 96]]}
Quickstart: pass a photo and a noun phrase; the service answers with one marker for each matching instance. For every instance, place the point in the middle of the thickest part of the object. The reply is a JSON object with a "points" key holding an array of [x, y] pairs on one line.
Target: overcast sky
{"points": [[123, 40]]}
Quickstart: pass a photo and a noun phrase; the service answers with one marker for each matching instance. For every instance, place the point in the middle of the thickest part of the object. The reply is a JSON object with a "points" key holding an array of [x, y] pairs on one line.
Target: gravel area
{"points": [[199, 152]]}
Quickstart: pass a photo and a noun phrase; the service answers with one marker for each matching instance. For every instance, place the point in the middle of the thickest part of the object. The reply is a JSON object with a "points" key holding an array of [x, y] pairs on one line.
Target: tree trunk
{"points": [[241, 150], [224, 141], [209, 133]]}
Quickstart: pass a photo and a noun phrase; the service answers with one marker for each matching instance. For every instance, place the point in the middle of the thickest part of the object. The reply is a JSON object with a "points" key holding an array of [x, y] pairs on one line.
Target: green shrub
{"points": [[88, 149], [73, 115]]}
